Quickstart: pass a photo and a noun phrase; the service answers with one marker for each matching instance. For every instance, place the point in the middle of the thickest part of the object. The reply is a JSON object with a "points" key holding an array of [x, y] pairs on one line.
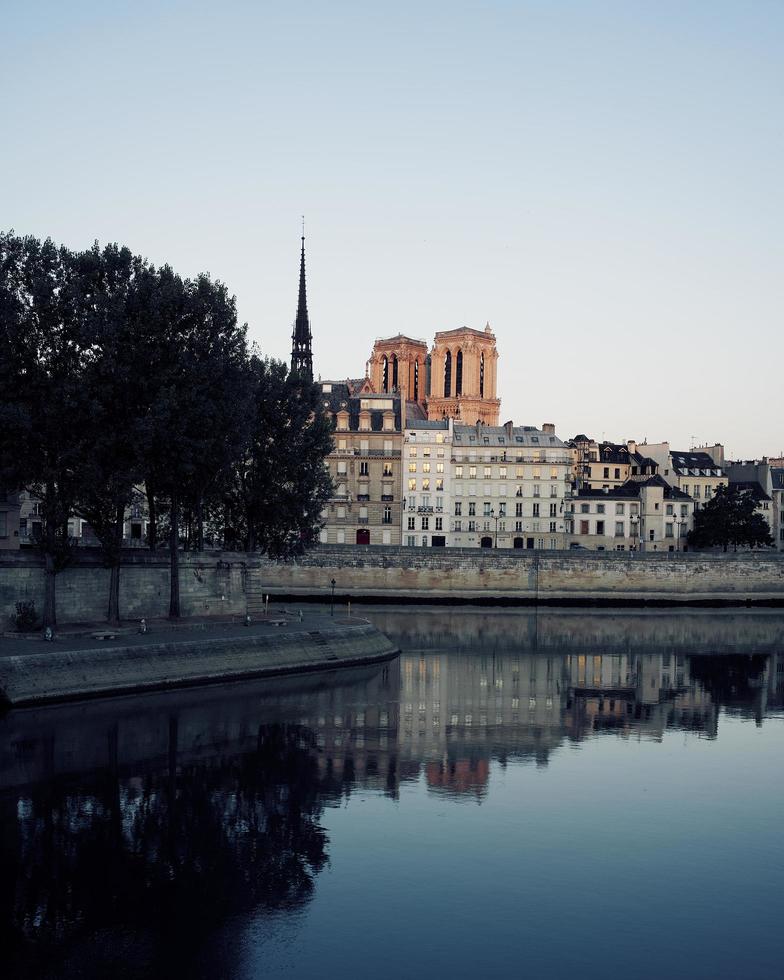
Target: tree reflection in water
{"points": [[171, 851]]}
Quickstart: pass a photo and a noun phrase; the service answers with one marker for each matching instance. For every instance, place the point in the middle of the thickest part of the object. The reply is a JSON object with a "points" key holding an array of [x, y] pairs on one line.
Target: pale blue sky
{"points": [[602, 181]]}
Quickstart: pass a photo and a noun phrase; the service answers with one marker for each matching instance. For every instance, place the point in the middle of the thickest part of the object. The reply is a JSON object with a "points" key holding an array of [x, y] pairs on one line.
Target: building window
{"points": [[458, 472], [536, 490], [617, 473], [518, 525], [439, 524], [501, 472], [553, 472], [439, 484], [553, 510], [668, 531], [425, 467], [585, 508], [426, 483], [458, 526], [600, 508], [472, 508], [458, 508], [583, 527], [606, 473], [518, 510], [411, 524], [488, 472], [411, 541], [486, 510], [619, 529], [600, 527], [342, 467], [425, 523], [502, 509], [412, 467], [387, 519], [472, 525], [619, 508], [471, 472], [411, 485], [519, 490], [553, 527]]}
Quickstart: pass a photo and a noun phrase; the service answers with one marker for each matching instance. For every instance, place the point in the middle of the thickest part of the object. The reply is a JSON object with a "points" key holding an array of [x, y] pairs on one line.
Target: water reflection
{"points": [[132, 829]]}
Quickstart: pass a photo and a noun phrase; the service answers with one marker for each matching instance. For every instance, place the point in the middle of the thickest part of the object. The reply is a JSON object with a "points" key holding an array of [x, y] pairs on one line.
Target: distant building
{"points": [[457, 379], [646, 514], [364, 465], [9, 520], [696, 472], [777, 492], [608, 464], [481, 486]]}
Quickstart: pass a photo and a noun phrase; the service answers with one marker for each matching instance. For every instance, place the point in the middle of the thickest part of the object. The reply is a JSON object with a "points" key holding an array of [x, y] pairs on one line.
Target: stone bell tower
{"points": [[463, 376]]}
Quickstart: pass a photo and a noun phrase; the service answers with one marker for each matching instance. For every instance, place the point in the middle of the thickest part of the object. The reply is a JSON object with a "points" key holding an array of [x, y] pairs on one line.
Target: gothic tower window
{"points": [[482, 375], [448, 374], [416, 381], [394, 372], [459, 374], [384, 373]]}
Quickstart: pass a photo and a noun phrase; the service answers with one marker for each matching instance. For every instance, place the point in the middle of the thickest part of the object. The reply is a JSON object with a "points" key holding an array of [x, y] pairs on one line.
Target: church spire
{"points": [[301, 353]]}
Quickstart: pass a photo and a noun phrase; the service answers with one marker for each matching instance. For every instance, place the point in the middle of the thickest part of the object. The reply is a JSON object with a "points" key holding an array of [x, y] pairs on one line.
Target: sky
{"points": [[601, 181]]}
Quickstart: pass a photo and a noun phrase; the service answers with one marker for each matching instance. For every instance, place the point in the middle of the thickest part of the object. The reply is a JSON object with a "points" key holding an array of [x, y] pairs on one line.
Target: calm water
{"points": [[552, 795]]}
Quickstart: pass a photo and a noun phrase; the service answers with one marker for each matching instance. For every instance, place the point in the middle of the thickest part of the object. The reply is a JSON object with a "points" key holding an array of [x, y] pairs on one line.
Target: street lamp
{"points": [[332, 609], [678, 522], [633, 520], [495, 518]]}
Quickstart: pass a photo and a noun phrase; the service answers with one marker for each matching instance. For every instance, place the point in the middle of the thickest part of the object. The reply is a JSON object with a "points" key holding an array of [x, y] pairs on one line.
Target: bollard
{"points": [[143, 626], [247, 620]]}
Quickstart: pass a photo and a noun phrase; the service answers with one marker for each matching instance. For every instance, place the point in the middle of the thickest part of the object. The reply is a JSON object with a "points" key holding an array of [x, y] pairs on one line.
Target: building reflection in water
{"points": [[170, 814]]}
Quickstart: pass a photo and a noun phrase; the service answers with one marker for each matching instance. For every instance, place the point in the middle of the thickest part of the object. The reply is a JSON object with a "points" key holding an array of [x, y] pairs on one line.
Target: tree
{"points": [[279, 485], [111, 461], [730, 518], [193, 373], [43, 402]]}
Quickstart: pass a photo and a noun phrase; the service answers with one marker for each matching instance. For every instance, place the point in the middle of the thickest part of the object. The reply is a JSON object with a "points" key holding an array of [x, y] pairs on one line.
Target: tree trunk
{"points": [[200, 525], [174, 560], [50, 577], [152, 533], [114, 569]]}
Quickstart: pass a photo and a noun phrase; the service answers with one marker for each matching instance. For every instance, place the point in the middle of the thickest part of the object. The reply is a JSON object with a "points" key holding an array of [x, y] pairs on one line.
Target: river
{"points": [[553, 794]]}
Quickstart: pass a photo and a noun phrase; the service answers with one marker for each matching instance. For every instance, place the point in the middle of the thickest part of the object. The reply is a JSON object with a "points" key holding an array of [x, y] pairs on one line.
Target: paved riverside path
{"points": [[80, 636], [78, 665]]}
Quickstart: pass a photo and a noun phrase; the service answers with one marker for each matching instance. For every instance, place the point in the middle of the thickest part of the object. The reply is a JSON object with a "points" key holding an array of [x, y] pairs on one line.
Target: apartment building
{"points": [[364, 465], [499, 487], [696, 472], [646, 515]]}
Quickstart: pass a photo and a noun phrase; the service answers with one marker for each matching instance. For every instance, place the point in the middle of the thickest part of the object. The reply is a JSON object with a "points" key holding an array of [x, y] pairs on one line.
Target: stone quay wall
{"points": [[463, 575], [211, 584], [225, 583]]}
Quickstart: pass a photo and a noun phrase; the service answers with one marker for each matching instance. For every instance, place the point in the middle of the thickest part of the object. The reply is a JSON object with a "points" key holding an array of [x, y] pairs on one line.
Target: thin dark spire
{"points": [[301, 353]]}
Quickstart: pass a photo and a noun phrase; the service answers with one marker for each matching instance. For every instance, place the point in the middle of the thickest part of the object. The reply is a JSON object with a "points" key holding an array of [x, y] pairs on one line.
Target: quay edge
{"points": [[76, 674]]}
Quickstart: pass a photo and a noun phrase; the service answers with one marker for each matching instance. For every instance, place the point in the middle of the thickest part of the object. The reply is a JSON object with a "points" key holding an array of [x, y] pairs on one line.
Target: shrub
{"points": [[26, 617]]}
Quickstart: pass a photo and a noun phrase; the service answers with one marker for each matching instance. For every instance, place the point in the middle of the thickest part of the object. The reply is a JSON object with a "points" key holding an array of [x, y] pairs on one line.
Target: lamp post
{"points": [[332, 608], [678, 522], [495, 517]]}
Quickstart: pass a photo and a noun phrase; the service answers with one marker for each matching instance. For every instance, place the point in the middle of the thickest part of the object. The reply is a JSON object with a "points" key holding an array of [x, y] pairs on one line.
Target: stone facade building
{"points": [[696, 472], [484, 486], [645, 514], [364, 465], [604, 465]]}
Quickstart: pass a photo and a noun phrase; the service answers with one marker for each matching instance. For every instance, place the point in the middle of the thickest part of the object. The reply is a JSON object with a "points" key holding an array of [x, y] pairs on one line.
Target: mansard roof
{"points": [[501, 435], [753, 486], [684, 462]]}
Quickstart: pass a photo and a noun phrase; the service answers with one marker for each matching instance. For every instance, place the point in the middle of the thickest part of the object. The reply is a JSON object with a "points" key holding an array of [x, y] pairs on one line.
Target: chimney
{"points": [[509, 426], [631, 445], [549, 428]]}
